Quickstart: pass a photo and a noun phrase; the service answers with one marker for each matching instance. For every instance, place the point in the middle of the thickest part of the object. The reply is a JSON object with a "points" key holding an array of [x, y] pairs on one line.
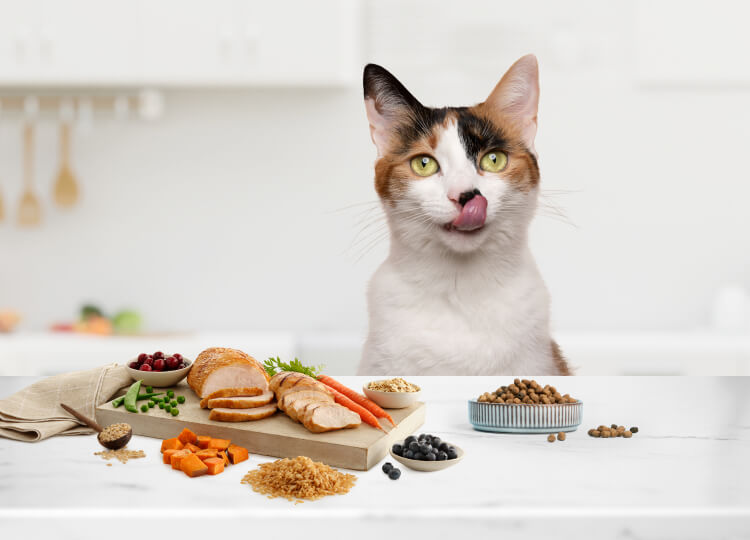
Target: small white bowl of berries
{"points": [[158, 369]]}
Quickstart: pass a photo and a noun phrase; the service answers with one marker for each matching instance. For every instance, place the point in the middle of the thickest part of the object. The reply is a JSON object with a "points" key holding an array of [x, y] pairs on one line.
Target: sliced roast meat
{"points": [[243, 402], [219, 368], [232, 392], [323, 417], [314, 395], [223, 414], [286, 382]]}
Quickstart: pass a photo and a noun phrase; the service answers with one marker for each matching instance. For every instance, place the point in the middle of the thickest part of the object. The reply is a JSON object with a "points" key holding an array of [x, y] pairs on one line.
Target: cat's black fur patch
{"points": [[476, 134]]}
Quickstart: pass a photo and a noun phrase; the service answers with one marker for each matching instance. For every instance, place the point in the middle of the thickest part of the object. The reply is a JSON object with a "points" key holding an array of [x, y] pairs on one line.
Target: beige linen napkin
{"points": [[34, 413]]}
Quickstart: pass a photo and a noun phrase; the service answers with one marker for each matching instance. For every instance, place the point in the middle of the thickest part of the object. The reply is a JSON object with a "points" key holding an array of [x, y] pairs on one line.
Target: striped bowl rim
{"points": [[525, 417]]}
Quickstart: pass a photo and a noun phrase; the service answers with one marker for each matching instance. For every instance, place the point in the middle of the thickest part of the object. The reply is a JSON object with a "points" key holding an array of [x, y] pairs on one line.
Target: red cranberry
{"points": [[142, 357], [159, 364], [148, 361], [182, 365], [158, 354], [177, 355], [172, 362], [134, 365], [145, 367]]}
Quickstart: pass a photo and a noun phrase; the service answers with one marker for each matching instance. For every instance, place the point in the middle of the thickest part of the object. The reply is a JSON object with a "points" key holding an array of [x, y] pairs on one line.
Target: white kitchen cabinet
{"points": [[174, 43]]}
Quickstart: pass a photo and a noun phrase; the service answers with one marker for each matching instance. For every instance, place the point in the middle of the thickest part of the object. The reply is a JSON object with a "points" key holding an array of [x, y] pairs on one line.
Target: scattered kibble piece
{"points": [[526, 391], [561, 436], [605, 432], [551, 438]]}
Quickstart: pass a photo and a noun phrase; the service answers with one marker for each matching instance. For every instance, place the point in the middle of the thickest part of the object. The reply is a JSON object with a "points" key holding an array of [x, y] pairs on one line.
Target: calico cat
{"points": [[460, 293]]}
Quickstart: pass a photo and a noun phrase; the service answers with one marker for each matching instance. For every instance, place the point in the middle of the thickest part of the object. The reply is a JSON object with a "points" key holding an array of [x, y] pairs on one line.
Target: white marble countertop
{"points": [[686, 471]]}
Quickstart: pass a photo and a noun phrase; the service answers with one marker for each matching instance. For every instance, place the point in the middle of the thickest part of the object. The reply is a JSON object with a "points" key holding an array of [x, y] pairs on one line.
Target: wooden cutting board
{"points": [[278, 435]]}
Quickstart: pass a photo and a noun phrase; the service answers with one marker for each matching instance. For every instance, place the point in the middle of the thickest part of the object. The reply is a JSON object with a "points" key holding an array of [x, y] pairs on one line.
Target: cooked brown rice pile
{"points": [[297, 479]]}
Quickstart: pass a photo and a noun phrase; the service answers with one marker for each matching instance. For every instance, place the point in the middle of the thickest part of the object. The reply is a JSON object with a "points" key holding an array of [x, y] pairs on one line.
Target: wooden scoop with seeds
{"points": [[112, 443]]}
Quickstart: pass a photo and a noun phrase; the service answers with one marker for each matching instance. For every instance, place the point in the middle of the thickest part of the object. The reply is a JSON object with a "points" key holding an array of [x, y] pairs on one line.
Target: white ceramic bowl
{"points": [[428, 466], [392, 400], [159, 379]]}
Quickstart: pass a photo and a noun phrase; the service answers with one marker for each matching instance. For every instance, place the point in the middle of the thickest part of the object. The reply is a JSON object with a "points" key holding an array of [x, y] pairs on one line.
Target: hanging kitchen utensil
{"points": [[30, 210], [66, 188]]}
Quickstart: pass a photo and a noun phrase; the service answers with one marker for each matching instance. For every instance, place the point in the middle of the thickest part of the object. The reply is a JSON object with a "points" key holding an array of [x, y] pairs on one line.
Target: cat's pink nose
{"points": [[473, 214]]}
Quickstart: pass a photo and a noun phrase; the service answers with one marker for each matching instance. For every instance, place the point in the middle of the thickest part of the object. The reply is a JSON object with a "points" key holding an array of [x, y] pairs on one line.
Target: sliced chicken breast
{"points": [[321, 417], [218, 368], [314, 395], [243, 402], [223, 414], [232, 392]]}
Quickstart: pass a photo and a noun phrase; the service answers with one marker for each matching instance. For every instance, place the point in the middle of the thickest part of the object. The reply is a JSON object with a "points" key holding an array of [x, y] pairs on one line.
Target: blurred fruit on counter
{"points": [[93, 321], [8, 320]]}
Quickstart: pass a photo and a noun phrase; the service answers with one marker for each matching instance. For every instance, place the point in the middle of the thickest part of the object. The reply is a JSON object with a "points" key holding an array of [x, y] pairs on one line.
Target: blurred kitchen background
{"points": [[200, 173]]}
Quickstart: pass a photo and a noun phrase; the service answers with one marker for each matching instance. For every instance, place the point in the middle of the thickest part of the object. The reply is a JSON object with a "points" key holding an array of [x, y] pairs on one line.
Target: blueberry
{"points": [[443, 446], [394, 474], [431, 457], [409, 454], [424, 448], [422, 436], [387, 467], [452, 453], [397, 449], [414, 446], [410, 439], [436, 442], [442, 456], [420, 456]]}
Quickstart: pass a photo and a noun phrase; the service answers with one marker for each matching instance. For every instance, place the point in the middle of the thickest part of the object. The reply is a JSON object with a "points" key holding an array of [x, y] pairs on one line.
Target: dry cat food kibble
{"points": [[122, 455], [297, 479], [113, 432], [605, 432], [551, 438], [393, 385], [526, 391]]}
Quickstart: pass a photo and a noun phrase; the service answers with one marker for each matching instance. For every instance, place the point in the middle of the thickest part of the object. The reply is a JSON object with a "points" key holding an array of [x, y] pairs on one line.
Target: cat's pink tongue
{"points": [[472, 215]]}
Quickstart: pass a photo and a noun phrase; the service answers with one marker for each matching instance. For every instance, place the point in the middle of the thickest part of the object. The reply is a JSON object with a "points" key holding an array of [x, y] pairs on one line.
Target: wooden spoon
{"points": [[112, 445], [30, 211], [66, 188]]}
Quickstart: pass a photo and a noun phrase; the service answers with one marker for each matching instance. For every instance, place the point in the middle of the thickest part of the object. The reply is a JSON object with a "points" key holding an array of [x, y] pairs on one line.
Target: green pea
{"points": [[167, 408], [149, 389], [180, 399], [173, 403], [144, 408], [150, 404], [170, 394], [175, 412], [161, 404]]}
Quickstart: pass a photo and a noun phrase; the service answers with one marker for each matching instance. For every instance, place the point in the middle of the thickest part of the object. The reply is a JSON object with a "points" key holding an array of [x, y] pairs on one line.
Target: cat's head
{"points": [[456, 178]]}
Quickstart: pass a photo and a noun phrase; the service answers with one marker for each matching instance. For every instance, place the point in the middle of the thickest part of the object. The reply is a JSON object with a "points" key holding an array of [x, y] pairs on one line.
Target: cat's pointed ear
{"points": [[516, 97], [387, 102]]}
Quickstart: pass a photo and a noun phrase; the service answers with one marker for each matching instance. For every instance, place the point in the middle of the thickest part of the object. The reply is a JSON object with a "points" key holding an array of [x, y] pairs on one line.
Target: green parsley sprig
{"points": [[274, 365]]}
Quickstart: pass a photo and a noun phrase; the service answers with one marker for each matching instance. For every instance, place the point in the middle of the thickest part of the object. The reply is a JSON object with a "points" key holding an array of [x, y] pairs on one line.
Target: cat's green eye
{"points": [[493, 161], [424, 165]]}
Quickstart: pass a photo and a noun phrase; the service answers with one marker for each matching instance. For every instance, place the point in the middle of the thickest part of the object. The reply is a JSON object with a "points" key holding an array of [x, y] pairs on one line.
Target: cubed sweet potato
{"points": [[207, 453], [236, 454], [203, 441], [192, 448], [187, 436], [193, 466], [219, 444], [215, 465], [171, 444], [177, 457], [223, 455], [167, 457]]}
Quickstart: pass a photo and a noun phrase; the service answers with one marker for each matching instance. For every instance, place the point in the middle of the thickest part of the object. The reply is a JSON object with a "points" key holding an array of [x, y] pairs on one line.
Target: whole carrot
{"points": [[357, 398], [363, 413]]}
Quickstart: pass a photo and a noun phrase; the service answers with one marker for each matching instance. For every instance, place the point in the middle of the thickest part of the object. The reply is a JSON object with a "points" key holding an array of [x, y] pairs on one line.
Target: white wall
{"points": [[230, 211]]}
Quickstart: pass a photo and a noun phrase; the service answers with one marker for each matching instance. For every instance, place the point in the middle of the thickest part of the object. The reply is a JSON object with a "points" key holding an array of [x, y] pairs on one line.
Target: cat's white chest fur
{"points": [[437, 317]]}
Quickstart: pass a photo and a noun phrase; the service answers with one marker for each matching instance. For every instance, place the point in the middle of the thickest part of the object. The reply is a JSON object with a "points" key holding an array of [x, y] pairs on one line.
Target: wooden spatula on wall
{"points": [[30, 210], [66, 188]]}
